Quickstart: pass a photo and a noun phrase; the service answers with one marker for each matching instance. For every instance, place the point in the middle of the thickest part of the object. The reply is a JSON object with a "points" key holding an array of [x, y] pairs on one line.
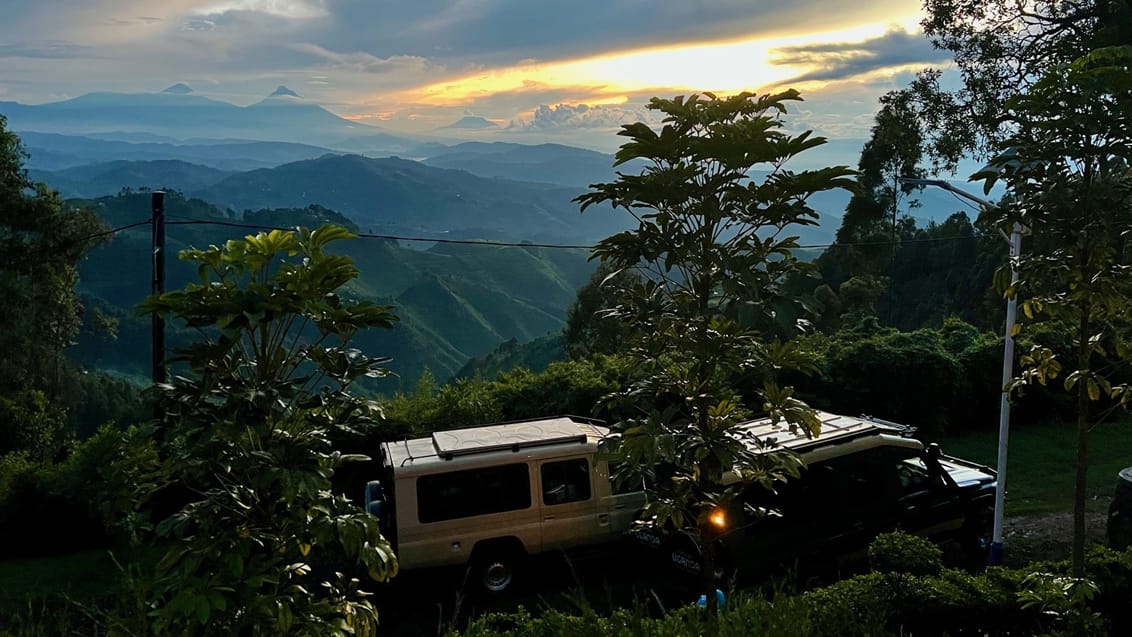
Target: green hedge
{"points": [[880, 603], [85, 501]]}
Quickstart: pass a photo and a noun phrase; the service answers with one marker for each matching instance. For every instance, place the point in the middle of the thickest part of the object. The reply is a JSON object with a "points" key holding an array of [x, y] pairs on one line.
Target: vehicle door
{"points": [[801, 519], [928, 504], [572, 514], [621, 501], [891, 488]]}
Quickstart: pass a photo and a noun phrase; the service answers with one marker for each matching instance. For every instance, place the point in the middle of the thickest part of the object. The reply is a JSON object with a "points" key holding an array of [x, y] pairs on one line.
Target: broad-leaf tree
{"points": [[1002, 48], [714, 209], [247, 431], [42, 241], [589, 330], [1069, 173], [872, 218]]}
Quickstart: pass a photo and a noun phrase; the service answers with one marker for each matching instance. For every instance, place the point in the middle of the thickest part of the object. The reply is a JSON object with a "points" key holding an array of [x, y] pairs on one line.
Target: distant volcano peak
{"points": [[472, 122], [283, 91], [180, 88]]}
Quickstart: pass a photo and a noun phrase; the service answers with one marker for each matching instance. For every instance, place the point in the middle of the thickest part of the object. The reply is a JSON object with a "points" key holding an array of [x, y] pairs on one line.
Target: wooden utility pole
{"points": [[157, 224]]}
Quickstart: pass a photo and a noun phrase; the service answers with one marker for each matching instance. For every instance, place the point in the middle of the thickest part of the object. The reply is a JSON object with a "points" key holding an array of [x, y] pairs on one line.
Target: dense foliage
{"points": [[710, 251], [1067, 170], [245, 437], [42, 241]]}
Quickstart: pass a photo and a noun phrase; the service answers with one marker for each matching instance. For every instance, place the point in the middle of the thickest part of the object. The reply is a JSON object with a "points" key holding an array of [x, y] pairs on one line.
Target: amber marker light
{"points": [[718, 519]]}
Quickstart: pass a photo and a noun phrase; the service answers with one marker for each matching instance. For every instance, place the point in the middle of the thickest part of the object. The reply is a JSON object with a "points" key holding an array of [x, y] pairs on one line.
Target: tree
{"points": [[1069, 173], [589, 330], [247, 432], [894, 150], [1002, 48], [711, 249], [42, 241]]}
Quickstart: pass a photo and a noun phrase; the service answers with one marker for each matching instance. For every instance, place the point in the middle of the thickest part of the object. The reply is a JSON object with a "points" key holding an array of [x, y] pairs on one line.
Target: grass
{"points": [[52, 595], [80, 575], [1040, 460]]}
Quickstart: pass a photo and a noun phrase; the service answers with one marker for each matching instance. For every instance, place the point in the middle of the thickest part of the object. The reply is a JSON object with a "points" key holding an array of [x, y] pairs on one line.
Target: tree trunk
{"points": [[707, 574], [1084, 356]]}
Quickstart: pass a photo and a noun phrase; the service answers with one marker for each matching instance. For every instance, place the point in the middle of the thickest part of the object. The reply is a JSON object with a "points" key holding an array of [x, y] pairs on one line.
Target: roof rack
{"points": [[906, 431], [508, 436]]}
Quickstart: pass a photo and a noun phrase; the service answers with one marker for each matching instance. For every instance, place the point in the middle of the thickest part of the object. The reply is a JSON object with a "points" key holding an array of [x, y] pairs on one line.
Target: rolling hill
{"points": [[95, 180], [399, 196], [455, 302], [52, 151], [549, 163]]}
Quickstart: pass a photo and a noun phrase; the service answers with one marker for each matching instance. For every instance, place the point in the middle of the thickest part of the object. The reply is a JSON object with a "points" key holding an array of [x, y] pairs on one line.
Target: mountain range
{"points": [[178, 112], [54, 151]]}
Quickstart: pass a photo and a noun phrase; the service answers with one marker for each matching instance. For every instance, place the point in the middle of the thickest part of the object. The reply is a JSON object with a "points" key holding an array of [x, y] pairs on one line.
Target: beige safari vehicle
{"points": [[489, 497]]}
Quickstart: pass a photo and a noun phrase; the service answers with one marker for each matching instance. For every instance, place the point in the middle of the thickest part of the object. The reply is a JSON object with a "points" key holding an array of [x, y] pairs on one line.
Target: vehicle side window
{"points": [[913, 475], [463, 494], [566, 481], [890, 472]]}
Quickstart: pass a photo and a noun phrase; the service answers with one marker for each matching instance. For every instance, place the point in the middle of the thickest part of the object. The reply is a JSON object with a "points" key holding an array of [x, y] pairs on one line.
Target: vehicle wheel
{"points": [[976, 539], [496, 572]]}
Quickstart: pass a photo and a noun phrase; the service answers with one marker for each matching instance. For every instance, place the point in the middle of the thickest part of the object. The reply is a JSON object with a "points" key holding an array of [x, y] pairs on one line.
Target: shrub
{"points": [[890, 603], [84, 501], [1112, 572], [900, 552], [106, 475], [569, 387], [51, 522], [903, 376]]}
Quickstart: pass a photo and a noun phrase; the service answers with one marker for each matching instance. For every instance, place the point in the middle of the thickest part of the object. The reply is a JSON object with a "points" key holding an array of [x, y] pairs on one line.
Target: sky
{"points": [[540, 69]]}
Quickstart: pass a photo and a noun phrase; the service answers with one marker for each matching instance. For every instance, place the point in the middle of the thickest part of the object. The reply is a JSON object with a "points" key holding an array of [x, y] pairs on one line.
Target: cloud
{"points": [[362, 62], [198, 24], [840, 60], [291, 9], [503, 32], [45, 49], [129, 22], [574, 116]]}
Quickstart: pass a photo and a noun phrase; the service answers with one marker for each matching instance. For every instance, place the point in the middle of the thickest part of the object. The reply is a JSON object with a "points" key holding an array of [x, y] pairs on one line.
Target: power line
{"points": [[188, 221], [369, 235], [965, 202], [116, 230], [889, 243]]}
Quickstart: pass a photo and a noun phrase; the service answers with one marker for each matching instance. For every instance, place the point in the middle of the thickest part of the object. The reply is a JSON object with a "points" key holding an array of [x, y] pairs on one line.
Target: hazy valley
{"points": [[284, 161]]}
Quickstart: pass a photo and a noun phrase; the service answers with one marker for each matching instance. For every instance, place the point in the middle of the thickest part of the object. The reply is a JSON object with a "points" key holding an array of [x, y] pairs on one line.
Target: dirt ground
{"points": [[1048, 536]]}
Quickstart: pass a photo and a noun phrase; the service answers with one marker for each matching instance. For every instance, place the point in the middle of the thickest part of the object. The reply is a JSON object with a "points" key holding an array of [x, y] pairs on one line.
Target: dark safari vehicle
{"points": [[863, 476]]}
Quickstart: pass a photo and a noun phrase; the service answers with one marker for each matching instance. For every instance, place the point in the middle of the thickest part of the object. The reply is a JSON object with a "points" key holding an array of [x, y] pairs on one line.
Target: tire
{"points": [[976, 539], [496, 571]]}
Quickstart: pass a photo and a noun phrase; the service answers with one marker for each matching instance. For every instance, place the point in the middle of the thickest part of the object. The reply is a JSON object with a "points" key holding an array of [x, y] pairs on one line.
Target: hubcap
{"points": [[497, 576]]}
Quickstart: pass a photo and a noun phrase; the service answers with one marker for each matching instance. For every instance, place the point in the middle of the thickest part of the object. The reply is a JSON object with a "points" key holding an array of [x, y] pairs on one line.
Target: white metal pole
{"points": [[996, 548], [1004, 407]]}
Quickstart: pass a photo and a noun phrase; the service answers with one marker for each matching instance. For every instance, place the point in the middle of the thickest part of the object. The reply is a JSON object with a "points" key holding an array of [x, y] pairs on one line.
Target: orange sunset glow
{"points": [[714, 66]]}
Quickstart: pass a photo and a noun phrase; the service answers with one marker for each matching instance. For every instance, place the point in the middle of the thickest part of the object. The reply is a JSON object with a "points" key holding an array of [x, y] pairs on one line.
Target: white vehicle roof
{"points": [[570, 435], [839, 435], [544, 437]]}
